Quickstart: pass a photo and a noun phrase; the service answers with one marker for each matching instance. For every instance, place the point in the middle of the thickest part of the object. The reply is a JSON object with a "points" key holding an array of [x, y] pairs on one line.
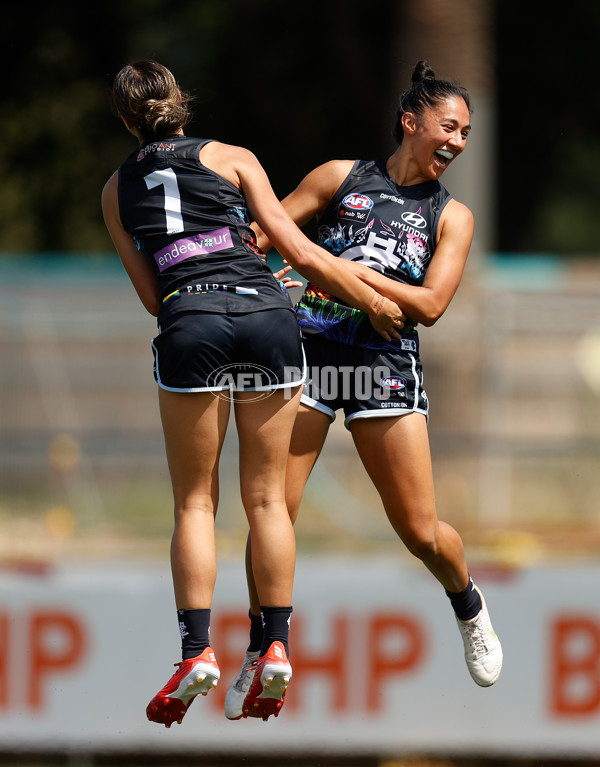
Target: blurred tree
{"points": [[455, 36], [297, 85], [548, 116], [296, 88], [56, 111]]}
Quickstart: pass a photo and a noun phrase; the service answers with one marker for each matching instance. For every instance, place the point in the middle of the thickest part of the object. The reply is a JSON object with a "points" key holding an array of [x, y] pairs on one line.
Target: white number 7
{"points": [[168, 180]]}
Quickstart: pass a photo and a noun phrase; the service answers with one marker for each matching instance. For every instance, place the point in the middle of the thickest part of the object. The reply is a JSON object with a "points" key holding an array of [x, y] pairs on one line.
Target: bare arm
{"points": [[136, 265], [428, 302], [311, 196], [242, 168]]}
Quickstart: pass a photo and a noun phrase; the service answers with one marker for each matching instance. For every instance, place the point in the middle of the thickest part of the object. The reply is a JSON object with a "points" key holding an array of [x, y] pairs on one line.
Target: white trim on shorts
{"points": [[312, 403], [375, 413], [388, 412], [380, 413], [199, 389]]}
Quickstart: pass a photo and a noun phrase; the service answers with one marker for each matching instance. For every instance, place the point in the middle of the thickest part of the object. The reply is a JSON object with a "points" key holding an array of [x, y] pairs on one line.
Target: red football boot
{"points": [[196, 676], [271, 679]]}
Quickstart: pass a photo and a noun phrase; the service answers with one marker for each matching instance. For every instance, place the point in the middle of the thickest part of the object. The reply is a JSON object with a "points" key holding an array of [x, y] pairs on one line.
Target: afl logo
{"points": [[414, 219], [357, 202], [393, 383]]}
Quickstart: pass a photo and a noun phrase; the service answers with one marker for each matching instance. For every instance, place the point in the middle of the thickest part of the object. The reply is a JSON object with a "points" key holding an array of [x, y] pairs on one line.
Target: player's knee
{"points": [[422, 544], [293, 509], [194, 507], [258, 505]]}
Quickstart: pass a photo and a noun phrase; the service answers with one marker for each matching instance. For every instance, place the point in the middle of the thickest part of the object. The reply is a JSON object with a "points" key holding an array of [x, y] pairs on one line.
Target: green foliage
{"points": [[297, 85], [281, 84], [547, 131]]}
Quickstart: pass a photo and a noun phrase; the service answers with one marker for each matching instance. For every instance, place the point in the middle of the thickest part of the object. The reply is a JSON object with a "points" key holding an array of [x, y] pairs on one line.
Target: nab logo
{"points": [[357, 202], [393, 383]]}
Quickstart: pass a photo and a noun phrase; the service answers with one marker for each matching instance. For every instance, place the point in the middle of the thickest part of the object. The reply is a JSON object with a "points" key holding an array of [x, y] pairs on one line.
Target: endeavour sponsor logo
{"points": [[198, 245]]}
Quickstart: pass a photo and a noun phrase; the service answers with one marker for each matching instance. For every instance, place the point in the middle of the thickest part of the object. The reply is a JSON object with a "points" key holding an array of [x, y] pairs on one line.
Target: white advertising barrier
{"points": [[377, 658]]}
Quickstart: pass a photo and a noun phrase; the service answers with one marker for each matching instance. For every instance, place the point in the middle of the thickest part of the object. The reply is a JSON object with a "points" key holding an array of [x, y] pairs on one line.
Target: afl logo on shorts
{"points": [[247, 377], [357, 202], [393, 383]]}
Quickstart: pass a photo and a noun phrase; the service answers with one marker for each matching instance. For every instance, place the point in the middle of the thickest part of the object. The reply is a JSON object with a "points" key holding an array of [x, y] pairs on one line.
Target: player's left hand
{"points": [[287, 281]]}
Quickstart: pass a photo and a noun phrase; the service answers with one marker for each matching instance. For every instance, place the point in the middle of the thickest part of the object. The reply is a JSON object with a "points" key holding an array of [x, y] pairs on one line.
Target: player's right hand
{"points": [[387, 318]]}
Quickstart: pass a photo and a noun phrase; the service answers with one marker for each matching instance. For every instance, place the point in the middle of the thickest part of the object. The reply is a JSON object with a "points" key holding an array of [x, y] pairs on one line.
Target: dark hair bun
{"points": [[422, 71], [425, 91]]}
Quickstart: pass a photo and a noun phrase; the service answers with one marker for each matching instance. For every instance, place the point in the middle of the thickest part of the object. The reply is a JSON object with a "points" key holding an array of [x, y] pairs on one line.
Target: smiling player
{"points": [[393, 224]]}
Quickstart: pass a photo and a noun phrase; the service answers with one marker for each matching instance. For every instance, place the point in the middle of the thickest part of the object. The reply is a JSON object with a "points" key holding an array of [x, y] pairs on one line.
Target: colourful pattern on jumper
{"points": [[386, 227]]}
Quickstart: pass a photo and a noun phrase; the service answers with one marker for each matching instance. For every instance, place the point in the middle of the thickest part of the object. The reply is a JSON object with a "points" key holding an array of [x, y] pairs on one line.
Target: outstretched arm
{"points": [[424, 304], [311, 196], [242, 168]]}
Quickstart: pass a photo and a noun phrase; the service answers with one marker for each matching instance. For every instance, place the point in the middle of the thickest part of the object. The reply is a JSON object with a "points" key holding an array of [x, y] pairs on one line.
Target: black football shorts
{"points": [[204, 351], [364, 382]]}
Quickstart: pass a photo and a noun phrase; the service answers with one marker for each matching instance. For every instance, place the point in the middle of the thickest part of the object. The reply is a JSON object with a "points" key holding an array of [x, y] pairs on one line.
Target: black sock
{"points": [[276, 622], [466, 603], [194, 627], [256, 632]]}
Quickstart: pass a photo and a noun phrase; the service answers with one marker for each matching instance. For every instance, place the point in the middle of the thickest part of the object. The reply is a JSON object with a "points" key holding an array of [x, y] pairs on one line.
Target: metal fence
{"points": [[512, 372]]}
